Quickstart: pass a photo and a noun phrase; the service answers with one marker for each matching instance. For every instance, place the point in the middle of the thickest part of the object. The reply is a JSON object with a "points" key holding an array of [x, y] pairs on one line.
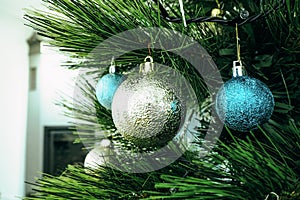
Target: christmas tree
{"points": [[198, 41]]}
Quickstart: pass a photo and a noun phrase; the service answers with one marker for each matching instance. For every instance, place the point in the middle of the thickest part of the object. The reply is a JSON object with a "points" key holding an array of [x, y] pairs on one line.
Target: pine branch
{"points": [[242, 166]]}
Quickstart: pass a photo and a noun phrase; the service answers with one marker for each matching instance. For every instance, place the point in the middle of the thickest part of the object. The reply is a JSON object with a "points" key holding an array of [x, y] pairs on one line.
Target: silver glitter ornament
{"points": [[146, 110]]}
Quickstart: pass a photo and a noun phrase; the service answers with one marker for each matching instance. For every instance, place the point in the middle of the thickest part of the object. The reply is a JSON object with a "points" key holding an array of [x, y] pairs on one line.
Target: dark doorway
{"points": [[60, 150]]}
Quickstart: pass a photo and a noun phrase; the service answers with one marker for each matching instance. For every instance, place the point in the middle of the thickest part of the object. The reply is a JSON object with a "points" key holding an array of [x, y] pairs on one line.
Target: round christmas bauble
{"points": [[147, 111], [244, 102], [99, 155], [106, 88]]}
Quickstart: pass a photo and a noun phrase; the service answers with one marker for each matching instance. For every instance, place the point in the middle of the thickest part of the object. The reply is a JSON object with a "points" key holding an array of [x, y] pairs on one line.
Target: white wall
{"points": [[14, 95], [13, 88], [53, 82]]}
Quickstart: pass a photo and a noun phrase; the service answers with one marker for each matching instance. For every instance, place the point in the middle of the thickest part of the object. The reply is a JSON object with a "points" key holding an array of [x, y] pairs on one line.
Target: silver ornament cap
{"points": [[238, 69]]}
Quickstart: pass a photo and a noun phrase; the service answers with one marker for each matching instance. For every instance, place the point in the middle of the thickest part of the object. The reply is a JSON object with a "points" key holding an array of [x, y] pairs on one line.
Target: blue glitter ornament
{"points": [[244, 102], [106, 88]]}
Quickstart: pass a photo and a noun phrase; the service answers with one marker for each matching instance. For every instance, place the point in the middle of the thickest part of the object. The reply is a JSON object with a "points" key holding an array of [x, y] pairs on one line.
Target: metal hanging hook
{"points": [[150, 58]]}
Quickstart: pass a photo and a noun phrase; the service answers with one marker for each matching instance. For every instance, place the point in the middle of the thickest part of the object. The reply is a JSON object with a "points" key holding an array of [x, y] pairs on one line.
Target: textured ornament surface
{"points": [[243, 102], [147, 111], [106, 88]]}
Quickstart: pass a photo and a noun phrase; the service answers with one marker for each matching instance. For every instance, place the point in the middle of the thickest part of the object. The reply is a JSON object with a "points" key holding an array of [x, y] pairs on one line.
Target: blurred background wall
{"points": [[24, 112]]}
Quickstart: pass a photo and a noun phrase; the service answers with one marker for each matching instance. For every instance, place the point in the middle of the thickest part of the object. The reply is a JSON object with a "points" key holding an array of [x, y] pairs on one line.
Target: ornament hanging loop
{"points": [[238, 46], [149, 49], [112, 67], [273, 193], [147, 66], [238, 68]]}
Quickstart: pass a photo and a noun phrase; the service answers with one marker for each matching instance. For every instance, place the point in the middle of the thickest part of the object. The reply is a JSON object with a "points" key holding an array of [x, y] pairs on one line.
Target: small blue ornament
{"points": [[244, 102], [106, 88]]}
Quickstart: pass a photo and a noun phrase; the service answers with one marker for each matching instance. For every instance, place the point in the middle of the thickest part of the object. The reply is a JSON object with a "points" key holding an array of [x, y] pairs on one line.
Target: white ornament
{"points": [[100, 155]]}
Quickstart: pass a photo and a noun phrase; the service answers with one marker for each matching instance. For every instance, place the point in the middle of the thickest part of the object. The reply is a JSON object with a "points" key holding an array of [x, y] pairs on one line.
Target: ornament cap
{"points": [[238, 69], [112, 67], [147, 66]]}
